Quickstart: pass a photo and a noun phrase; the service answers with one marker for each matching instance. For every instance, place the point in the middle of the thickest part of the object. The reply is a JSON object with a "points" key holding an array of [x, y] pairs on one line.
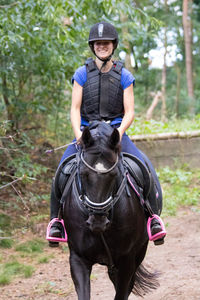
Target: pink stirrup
{"points": [[56, 239], [158, 235]]}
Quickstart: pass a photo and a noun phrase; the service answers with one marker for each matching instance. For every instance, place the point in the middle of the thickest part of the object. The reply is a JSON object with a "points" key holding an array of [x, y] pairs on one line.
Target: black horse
{"points": [[104, 218]]}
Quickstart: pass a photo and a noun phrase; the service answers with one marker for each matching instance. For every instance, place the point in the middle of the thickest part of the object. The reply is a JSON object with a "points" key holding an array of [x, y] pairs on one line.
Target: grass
{"points": [[44, 259], [32, 246], [180, 188], [12, 269], [6, 243]]}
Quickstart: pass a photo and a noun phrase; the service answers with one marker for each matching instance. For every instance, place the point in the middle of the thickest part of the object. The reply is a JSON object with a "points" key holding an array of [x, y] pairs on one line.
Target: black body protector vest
{"points": [[102, 93]]}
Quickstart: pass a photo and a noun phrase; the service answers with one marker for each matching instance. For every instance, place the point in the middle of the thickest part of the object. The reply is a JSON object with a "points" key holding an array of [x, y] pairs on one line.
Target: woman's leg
{"points": [[71, 149], [56, 228], [156, 228], [129, 147]]}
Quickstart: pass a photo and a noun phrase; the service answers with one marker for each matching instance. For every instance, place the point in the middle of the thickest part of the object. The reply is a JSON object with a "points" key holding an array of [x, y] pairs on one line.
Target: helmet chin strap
{"points": [[104, 60]]}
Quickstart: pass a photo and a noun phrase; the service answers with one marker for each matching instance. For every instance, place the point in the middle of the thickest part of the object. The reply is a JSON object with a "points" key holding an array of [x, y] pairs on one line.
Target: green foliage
{"points": [[180, 188], [5, 221], [5, 231], [43, 42], [142, 126], [6, 243]]}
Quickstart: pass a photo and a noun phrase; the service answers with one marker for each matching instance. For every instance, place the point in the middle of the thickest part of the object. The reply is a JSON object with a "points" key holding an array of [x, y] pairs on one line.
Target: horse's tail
{"points": [[145, 281]]}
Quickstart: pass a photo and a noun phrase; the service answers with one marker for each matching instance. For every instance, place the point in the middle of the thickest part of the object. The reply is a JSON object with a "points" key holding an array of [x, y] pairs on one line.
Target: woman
{"points": [[102, 90]]}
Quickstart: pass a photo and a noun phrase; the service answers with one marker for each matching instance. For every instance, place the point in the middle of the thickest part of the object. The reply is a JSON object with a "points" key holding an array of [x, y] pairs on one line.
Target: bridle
{"points": [[99, 171], [103, 208], [108, 204]]}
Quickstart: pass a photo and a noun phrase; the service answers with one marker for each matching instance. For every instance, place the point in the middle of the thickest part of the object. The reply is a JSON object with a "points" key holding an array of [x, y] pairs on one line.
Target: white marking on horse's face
{"points": [[100, 167]]}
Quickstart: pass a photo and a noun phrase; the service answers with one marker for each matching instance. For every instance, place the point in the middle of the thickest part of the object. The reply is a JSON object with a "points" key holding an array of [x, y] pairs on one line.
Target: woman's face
{"points": [[103, 49]]}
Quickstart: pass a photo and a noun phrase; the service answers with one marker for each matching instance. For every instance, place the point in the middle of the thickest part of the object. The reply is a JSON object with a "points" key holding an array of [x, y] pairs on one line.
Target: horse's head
{"points": [[99, 172]]}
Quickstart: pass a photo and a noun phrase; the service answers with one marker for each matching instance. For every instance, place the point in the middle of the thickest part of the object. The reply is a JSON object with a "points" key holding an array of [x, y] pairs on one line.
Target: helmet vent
{"points": [[100, 30]]}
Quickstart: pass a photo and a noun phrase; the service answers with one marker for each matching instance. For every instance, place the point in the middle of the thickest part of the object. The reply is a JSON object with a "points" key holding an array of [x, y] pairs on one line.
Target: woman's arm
{"points": [[75, 114], [128, 110]]}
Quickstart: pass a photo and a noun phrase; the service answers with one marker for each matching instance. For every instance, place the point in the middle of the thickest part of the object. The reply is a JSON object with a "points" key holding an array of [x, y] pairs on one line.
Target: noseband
{"points": [[98, 171], [103, 207]]}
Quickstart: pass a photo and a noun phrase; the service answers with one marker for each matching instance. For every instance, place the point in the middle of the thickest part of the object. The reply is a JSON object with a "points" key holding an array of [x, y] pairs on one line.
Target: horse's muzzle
{"points": [[98, 223]]}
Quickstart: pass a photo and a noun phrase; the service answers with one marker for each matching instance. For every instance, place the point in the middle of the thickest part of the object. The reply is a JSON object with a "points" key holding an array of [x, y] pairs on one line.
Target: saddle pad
{"points": [[139, 172], [63, 173]]}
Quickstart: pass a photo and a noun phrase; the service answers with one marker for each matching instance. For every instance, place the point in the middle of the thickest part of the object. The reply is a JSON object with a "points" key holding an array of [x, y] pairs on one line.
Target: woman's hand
{"points": [[78, 137]]}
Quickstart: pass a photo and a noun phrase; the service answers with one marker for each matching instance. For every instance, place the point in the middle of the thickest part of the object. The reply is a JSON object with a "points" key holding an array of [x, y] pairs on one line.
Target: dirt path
{"points": [[178, 260]]}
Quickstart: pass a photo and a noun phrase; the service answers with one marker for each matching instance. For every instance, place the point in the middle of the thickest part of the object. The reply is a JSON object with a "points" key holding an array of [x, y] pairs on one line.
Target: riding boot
{"points": [[157, 232], [56, 228], [156, 229]]}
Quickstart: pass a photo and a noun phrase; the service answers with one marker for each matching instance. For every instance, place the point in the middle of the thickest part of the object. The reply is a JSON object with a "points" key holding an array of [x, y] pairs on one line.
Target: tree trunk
{"points": [[153, 105], [126, 43], [164, 74], [178, 89], [187, 28], [6, 101]]}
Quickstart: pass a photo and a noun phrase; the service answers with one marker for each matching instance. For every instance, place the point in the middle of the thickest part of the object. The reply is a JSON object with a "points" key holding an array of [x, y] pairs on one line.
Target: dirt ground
{"points": [[178, 260]]}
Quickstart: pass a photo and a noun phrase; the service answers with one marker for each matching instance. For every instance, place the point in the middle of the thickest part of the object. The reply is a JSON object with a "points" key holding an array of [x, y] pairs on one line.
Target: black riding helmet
{"points": [[103, 31]]}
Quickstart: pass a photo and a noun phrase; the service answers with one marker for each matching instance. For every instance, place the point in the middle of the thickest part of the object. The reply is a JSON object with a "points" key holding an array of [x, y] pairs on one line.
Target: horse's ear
{"points": [[86, 138], [114, 139]]}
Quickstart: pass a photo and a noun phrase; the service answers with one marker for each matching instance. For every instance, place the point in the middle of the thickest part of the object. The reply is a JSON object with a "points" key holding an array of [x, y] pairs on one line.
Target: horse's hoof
{"points": [[53, 244], [159, 242]]}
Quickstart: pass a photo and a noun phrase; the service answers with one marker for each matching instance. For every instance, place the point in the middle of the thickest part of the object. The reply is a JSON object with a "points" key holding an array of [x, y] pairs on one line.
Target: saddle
{"points": [[65, 174], [139, 173]]}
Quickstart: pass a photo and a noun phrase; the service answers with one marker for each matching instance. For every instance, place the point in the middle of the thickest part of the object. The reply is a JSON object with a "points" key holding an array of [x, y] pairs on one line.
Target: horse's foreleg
{"points": [[80, 272], [124, 277]]}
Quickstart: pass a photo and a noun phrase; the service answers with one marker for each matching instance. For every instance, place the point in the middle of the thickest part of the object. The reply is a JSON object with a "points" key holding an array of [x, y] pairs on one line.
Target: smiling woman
{"points": [[102, 91]]}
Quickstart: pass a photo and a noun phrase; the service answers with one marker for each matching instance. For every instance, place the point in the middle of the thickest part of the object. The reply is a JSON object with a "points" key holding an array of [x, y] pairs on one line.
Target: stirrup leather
{"points": [[63, 231], [158, 235]]}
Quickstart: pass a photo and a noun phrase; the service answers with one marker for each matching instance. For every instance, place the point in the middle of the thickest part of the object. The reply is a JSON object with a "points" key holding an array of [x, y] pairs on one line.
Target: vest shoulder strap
{"points": [[90, 64], [118, 66]]}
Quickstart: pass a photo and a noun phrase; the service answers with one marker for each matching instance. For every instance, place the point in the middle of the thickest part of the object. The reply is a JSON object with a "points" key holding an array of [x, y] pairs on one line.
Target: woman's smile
{"points": [[103, 49]]}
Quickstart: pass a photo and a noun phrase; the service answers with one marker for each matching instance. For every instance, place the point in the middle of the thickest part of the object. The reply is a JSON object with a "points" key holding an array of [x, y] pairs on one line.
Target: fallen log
{"points": [[166, 136]]}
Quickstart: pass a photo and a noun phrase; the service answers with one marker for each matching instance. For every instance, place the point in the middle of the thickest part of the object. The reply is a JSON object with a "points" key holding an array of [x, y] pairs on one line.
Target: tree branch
{"points": [[16, 180], [25, 205], [9, 5]]}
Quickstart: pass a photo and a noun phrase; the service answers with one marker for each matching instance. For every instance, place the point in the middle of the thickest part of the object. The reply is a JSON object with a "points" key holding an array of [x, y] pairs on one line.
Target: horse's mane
{"points": [[100, 128]]}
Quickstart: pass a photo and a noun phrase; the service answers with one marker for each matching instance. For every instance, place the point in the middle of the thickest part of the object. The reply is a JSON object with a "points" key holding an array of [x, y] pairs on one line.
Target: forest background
{"points": [[42, 42]]}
